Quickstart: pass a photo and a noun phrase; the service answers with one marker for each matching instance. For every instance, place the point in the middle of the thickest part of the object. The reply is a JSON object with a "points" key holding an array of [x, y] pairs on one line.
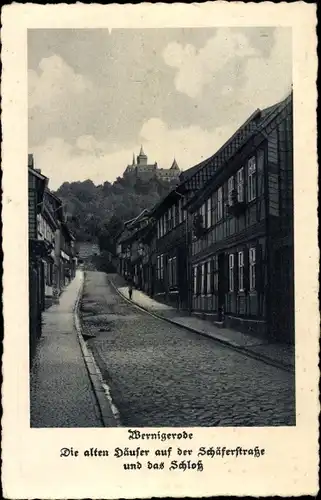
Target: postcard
{"points": [[160, 250]]}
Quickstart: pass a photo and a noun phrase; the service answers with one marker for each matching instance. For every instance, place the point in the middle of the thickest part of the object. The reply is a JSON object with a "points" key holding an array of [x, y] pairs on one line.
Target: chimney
{"points": [[30, 161]]}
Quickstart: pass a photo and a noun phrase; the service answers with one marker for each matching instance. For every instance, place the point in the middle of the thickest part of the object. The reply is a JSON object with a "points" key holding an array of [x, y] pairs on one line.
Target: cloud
{"points": [[189, 145], [269, 79], [233, 67], [54, 83], [197, 68], [89, 158]]}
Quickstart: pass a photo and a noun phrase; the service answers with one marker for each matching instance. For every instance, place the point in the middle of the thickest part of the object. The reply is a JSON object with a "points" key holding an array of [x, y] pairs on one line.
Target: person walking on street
{"points": [[130, 291]]}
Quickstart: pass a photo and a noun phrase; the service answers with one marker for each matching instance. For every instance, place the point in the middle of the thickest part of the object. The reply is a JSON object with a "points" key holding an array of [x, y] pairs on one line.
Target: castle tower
{"points": [[141, 158], [133, 160], [174, 165]]}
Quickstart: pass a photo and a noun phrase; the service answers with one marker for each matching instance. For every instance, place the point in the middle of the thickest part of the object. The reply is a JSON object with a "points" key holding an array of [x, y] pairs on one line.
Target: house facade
{"points": [[131, 249], [50, 243], [46, 232], [242, 248], [37, 252]]}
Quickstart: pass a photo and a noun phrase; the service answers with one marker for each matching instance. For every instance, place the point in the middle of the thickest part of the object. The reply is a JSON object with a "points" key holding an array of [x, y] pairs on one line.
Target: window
{"points": [[174, 215], [198, 279], [161, 271], [214, 208], [220, 203], [195, 279], [231, 272], [202, 279], [203, 214], [240, 185], [252, 265], [170, 219], [165, 222], [173, 280], [241, 271], [209, 213], [209, 277], [159, 268], [180, 214], [158, 229], [230, 186], [170, 276], [251, 179], [214, 270]]}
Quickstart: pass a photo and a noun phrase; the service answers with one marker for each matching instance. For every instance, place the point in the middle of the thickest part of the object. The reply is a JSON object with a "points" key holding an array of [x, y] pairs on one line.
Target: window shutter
{"points": [[212, 275], [259, 272], [246, 269], [236, 272]]}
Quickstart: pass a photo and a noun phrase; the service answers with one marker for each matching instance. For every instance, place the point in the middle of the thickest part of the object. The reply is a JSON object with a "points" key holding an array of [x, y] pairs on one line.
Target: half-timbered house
{"points": [[242, 246], [172, 280], [131, 250]]}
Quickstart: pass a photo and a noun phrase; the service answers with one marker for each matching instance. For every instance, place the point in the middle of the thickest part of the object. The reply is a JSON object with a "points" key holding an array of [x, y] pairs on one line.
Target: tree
{"points": [[98, 212]]}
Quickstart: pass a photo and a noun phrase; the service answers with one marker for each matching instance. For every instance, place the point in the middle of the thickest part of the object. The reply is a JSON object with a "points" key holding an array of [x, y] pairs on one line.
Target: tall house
{"points": [[242, 247]]}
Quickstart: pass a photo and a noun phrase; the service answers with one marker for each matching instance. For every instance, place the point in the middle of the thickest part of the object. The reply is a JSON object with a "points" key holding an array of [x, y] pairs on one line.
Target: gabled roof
{"points": [[137, 218]]}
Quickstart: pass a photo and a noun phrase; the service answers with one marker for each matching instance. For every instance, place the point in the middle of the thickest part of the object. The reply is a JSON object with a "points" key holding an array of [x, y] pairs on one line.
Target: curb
{"points": [[232, 345], [107, 415]]}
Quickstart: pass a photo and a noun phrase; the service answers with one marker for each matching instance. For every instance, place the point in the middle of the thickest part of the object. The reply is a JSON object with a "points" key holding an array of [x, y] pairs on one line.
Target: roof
{"points": [[174, 165], [141, 153], [50, 217], [50, 193], [37, 174], [262, 118], [135, 219]]}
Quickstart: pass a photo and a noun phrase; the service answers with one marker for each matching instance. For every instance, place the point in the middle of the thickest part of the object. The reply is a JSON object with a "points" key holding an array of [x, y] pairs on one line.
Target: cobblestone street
{"points": [[162, 375]]}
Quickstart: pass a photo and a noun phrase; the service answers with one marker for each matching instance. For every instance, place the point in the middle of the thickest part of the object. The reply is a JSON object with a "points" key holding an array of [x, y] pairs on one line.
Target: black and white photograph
{"points": [[160, 250], [161, 205]]}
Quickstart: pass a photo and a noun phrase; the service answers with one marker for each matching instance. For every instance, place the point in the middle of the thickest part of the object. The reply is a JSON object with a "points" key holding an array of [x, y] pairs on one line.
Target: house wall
{"points": [[281, 233], [225, 250]]}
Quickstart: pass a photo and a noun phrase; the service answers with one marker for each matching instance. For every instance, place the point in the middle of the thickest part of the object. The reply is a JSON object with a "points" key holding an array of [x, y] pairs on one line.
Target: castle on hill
{"points": [[140, 168]]}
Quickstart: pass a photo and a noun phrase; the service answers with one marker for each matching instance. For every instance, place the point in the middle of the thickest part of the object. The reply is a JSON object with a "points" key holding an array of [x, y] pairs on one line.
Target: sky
{"points": [[95, 96]]}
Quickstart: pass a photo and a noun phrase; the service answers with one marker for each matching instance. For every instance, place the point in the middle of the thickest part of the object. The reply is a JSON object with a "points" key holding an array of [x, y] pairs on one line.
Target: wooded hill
{"points": [[96, 213]]}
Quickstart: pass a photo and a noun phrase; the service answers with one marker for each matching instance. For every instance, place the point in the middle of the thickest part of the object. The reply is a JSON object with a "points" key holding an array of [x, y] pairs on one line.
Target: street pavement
{"points": [[61, 394], [282, 355], [160, 374]]}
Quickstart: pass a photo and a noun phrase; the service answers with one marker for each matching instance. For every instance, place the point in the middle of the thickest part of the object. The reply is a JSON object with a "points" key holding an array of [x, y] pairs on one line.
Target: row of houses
{"points": [[220, 245], [52, 256]]}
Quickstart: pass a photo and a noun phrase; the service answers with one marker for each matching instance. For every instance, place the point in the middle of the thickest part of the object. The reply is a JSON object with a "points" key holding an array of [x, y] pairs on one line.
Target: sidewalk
{"points": [[61, 394], [280, 354]]}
